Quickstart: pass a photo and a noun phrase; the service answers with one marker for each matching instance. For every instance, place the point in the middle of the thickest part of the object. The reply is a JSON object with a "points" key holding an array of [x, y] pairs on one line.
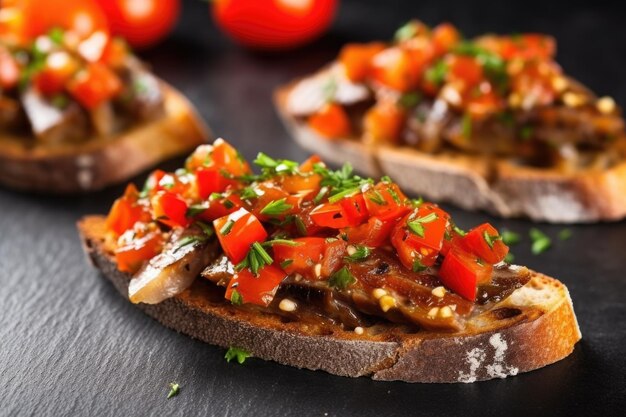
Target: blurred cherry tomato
{"points": [[142, 22], [31, 18], [274, 24]]}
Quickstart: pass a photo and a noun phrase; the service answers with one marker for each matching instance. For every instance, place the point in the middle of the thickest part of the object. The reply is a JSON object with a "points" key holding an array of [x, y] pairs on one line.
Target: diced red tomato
{"points": [[302, 258], [221, 207], [453, 240], [115, 53], [529, 46], [463, 272], [95, 85], [407, 254], [57, 71], [209, 181], [9, 70], [304, 224], [374, 233], [354, 209], [237, 232], [484, 104], [130, 257], [333, 257], [226, 157], [386, 201], [434, 231], [485, 242], [398, 68], [444, 37], [384, 123], [258, 289], [268, 192], [168, 208], [357, 59], [329, 215], [306, 183], [125, 212], [466, 69], [331, 121]]}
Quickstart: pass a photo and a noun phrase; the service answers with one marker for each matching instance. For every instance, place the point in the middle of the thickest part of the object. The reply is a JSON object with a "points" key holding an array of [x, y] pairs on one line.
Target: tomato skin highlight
{"points": [[329, 215], [259, 290], [144, 23], [303, 257], [271, 24], [475, 242], [462, 272], [237, 232]]}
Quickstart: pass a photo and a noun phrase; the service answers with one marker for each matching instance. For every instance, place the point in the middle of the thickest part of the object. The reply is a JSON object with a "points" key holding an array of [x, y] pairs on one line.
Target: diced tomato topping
{"points": [[374, 233], [209, 181], [354, 209], [528, 47], [95, 85], [485, 242], [444, 37], [357, 58], [125, 212], [386, 201], [115, 53], [331, 121], [407, 254], [58, 70], [221, 207], [302, 258], [329, 215], [466, 69], [384, 123], [131, 256], [226, 157], [237, 232], [168, 208], [258, 289], [398, 68], [463, 272]]}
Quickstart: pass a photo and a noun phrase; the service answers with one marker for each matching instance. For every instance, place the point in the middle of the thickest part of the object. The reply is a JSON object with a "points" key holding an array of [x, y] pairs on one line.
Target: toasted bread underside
{"points": [[97, 163], [474, 182], [534, 327]]}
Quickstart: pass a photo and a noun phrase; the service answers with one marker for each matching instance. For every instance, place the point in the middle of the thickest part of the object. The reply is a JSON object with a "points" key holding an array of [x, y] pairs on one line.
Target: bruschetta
{"points": [[324, 269]]}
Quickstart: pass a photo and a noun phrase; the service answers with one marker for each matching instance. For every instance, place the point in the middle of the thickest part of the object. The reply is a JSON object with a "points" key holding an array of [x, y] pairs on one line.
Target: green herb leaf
{"points": [[248, 193], [341, 279], [541, 242], [417, 226], [329, 89], [189, 240], [340, 180], [410, 100], [238, 354], [377, 198], [510, 238], [286, 242], [276, 207], [284, 264], [236, 298], [418, 266], [565, 234], [509, 258], [323, 191], [466, 126], [526, 132], [273, 166], [300, 226], [406, 31], [206, 229], [437, 73], [256, 259], [490, 239], [228, 226], [195, 209], [174, 390], [228, 204], [459, 231], [361, 253], [346, 193]]}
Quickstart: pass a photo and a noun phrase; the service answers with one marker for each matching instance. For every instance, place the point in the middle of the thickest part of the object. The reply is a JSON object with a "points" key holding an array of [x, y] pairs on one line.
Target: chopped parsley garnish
{"points": [[329, 89], [526, 132], [510, 238], [386, 179], [322, 193], [340, 180], [174, 390], [459, 231], [256, 259], [284, 264], [361, 253], [509, 258], [341, 279], [377, 198], [541, 242], [228, 226], [236, 298], [565, 234], [418, 266], [286, 242], [248, 193], [238, 354], [394, 195], [437, 73], [417, 226], [300, 226], [271, 166], [493, 65], [228, 204], [409, 100], [276, 207], [466, 126], [490, 239], [346, 193], [406, 31], [190, 240], [195, 209]]}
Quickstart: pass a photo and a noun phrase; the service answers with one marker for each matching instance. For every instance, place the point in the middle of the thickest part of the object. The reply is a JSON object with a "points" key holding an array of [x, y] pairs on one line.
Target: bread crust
{"points": [[474, 182], [537, 328], [98, 163]]}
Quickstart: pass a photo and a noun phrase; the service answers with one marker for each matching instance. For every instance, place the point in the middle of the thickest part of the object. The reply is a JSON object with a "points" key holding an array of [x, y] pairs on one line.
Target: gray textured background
{"points": [[70, 345]]}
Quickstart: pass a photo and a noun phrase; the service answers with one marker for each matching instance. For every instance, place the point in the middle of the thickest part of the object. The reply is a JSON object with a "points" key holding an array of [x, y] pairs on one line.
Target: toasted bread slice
{"points": [[475, 182], [532, 328], [97, 163]]}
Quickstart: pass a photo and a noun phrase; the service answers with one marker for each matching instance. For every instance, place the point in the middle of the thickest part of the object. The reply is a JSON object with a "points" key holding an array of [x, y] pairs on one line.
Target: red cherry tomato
{"points": [[485, 242], [258, 289], [237, 231], [386, 201], [83, 17], [273, 24], [462, 272], [142, 22]]}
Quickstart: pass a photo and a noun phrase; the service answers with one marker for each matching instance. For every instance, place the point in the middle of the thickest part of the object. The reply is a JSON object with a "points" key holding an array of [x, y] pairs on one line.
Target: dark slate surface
{"points": [[70, 345]]}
